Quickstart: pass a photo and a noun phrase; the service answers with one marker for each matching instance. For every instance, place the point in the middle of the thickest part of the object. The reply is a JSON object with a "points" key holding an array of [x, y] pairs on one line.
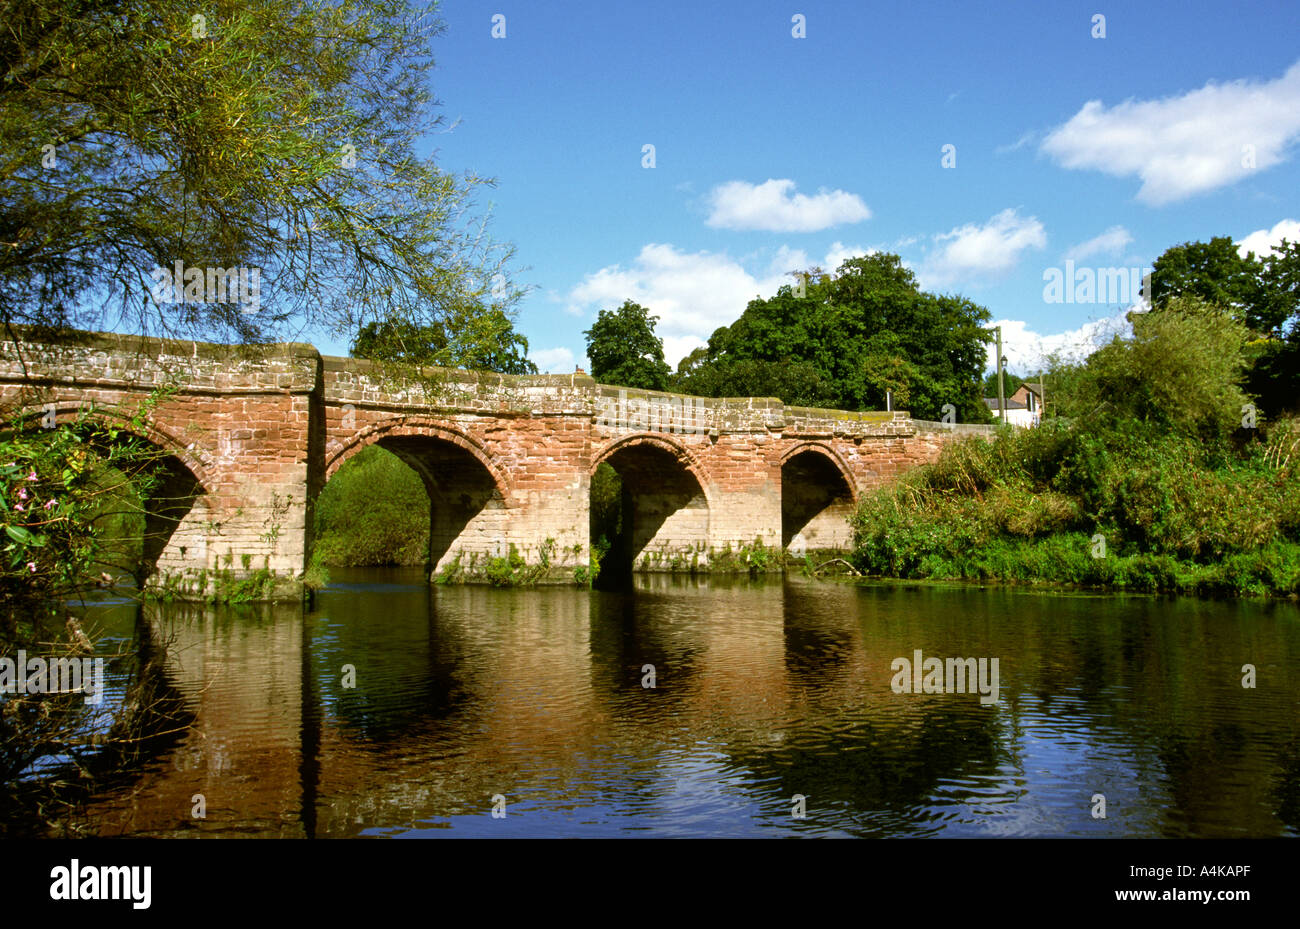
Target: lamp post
{"points": [[1002, 400]]}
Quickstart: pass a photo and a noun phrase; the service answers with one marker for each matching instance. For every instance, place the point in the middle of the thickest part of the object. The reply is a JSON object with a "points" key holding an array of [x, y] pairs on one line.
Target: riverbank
{"points": [[1126, 509], [1065, 563]]}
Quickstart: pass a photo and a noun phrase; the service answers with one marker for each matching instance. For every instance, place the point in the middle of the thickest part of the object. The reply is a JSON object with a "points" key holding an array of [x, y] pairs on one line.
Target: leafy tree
{"points": [[624, 349], [63, 492], [266, 135], [1179, 373], [482, 341], [1261, 293], [844, 340], [374, 511], [606, 513], [1212, 271]]}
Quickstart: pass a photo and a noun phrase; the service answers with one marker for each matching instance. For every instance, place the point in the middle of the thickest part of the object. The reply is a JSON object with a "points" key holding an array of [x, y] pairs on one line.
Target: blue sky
{"points": [[774, 153]]}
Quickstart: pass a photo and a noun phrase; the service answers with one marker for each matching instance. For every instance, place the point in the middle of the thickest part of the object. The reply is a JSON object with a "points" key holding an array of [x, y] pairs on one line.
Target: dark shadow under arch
{"points": [[665, 510], [816, 500]]}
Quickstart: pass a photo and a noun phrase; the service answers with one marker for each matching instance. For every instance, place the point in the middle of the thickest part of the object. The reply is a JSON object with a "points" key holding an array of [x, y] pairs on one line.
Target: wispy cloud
{"points": [[773, 206], [1185, 145], [1018, 144], [1111, 242]]}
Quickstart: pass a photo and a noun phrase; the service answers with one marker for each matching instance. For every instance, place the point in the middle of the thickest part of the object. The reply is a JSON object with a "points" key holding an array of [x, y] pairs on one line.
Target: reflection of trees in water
{"points": [[1148, 690], [414, 667], [881, 772], [895, 750], [459, 691], [628, 631], [1287, 790]]}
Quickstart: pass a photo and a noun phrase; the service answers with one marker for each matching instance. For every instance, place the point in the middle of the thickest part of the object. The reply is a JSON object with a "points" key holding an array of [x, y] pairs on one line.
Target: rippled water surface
{"points": [[762, 691]]}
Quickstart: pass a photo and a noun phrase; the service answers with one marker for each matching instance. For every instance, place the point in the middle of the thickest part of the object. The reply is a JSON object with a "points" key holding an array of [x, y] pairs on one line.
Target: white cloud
{"points": [[1185, 145], [788, 259], [1263, 241], [677, 347], [692, 293], [1111, 242], [1026, 351], [774, 207], [978, 251], [553, 360]]}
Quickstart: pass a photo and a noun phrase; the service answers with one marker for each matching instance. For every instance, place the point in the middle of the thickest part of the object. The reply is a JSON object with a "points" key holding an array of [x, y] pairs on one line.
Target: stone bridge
{"points": [[252, 435]]}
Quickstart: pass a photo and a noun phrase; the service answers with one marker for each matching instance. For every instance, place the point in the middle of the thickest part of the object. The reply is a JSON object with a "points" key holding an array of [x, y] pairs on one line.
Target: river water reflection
{"points": [[763, 691]]}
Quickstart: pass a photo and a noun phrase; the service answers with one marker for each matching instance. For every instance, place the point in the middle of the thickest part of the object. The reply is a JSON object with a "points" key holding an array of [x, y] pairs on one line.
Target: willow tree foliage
{"points": [[275, 136], [1260, 292]]}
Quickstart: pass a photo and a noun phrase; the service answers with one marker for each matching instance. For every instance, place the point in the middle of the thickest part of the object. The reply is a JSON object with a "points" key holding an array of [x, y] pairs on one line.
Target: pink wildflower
{"points": [[31, 566], [49, 503]]}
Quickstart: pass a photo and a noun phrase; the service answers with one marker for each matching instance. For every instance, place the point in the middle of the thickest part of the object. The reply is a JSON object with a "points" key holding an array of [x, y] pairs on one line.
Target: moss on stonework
{"points": [[514, 569], [225, 585]]}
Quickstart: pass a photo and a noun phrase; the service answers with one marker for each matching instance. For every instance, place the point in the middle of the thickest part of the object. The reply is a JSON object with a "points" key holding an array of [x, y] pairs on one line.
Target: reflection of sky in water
{"points": [[1060, 761], [109, 621], [694, 793]]}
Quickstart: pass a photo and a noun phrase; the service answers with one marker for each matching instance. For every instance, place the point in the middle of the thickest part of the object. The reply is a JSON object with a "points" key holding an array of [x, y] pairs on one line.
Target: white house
{"points": [[1024, 407]]}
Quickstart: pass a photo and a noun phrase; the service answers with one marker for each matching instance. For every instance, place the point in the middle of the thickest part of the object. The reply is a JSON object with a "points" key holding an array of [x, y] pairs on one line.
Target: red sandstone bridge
{"points": [[253, 436]]}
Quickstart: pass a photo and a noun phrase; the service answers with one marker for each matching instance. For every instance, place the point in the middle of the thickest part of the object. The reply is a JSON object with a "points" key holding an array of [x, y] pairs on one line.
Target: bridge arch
{"points": [[154, 434], [417, 428], [468, 490], [680, 453], [818, 495], [666, 504]]}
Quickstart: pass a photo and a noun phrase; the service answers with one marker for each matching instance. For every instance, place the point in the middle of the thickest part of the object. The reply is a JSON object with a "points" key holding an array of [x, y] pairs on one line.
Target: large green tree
{"points": [[844, 340], [1263, 293], [268, 135], [624, 349], [1260, 293], [482, 340]]}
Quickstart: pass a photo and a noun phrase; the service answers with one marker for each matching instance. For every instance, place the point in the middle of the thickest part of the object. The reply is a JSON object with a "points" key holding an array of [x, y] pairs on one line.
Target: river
{"points": [[716, 707]]}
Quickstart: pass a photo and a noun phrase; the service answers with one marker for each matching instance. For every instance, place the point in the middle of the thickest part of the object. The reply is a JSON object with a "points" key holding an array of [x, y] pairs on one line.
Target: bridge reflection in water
{"points": [[763, 690]]}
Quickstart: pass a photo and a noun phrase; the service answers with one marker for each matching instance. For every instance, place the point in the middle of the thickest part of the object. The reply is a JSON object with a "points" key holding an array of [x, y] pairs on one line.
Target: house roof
{"points": [[992, 404]]}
